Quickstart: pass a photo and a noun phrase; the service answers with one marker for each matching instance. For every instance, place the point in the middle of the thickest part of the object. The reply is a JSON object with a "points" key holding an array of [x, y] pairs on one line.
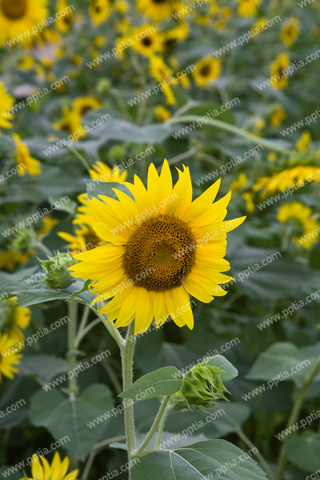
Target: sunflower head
{"points": [[14, 319], [160, 247], [58, 470], [300, 225], [207, 70], [9, 356]]}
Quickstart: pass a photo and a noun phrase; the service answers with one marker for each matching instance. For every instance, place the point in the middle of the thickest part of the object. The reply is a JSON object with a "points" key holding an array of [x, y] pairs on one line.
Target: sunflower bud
{"points": [[56, 269], [24, 240], [202, 386]]}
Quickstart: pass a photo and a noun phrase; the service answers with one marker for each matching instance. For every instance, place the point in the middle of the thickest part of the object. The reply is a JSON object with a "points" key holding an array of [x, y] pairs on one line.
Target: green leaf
{"points": [[204, 460], [70, 417], [165, 381], [96, 188], [303, 451], [45, 367], [229, 371]]}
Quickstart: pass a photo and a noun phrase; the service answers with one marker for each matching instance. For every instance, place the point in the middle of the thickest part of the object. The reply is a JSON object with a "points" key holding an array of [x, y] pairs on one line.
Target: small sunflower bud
{"points": [[24, 240], [56, 269], [202, 386], [103, 85], [117, 152]]}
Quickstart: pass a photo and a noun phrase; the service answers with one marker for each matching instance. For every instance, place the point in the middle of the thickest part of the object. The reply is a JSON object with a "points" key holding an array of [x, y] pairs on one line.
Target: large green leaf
{"points": [[164, 381], [212, 459], [70, 417], [304, 451], [45, 367], [229, 371]]}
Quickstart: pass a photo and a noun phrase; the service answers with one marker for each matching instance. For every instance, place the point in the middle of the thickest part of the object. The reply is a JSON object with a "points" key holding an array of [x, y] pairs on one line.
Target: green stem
{"points": [[72, 358], [161, 426], [260, 457], [82, 333], [155, 425], [113, 331], [295, 412], [127, 374], [43, 248], [80, 157], [233, 129]]}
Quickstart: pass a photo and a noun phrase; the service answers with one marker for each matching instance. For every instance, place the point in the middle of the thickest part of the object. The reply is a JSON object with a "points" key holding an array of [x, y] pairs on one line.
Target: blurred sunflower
{"points": [[162, 113], [84, 238], [18, 17], [157, 10], [99, 10], [163, 74], [13, 318], [9, 356], [10, 258], [248, 7], [248, 198], [304, 141], [291, 177], [102, 172], [207, 70], [240, 182], [70, 123], [46, 225], [304, 227], [277, 117], [146, 40], [6, 104], [24, 159], [290, 31], [278, 67], [64, 22], [155, 250], [82, 105], [42, 470]]}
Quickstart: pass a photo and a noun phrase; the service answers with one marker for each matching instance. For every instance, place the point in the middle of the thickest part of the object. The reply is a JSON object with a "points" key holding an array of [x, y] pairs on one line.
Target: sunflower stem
{"points": [[155, 425], [259, 456], [295, 412], [72, 311], [113, 331], [233, 129], [127, 351]]}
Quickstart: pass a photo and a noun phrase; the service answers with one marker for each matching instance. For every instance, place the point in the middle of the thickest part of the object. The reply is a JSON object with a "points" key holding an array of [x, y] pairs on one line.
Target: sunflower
{"points": [[304, 141], [9, 357], [207, 70], [248, 7], [304, 227], [84, 238], [17, 17], [6, 104], [99, 10], [291, 177], [162, 113], [100, 171], [64, 22], [277, 117], [248, 198], [47, 224], [14, 319], [160, 248], [146, 40], [24, 159], [278, 67], [157, 10], [70, 123], [240, 182], [42, 470], [9, 259], [290, 31], [163, 74], [82, 105]]}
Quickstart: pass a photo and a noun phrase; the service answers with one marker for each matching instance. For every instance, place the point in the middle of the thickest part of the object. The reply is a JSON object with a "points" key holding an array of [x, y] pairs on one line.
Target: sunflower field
{"points": [[160, 240]]}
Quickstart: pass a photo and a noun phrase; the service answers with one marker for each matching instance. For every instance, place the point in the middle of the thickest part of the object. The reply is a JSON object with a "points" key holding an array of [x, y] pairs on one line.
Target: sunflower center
{"points": [[147, 41], [160, 254], [14, 9], [205, 70], [160, 1]]}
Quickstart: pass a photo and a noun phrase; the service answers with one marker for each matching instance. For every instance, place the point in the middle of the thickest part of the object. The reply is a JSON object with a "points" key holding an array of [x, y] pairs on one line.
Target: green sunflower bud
{"points": [[117, 152], [202, 386], [24, 240], [56, 269], [103, 85]]}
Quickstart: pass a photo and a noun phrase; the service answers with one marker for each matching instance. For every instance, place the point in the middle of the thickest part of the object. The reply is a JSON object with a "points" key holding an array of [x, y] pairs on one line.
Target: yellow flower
{"points": [[258, 26], [17, 17], [121, 6], [100, 171], [207, 70], [146, 40], [304, 141], [162, 113], [14, 319], [23, 158], [248, 198], [272, 156], [299, 217], [239, 183], [278, 67], [163, 74], [155, 9], [42, 470], [277, 117], [160, 247], [100, 41], [99, 11], [26, 63], [64, 21], [47, 224], [9, 259], [290, 31], [248, 7], [9, 357], [292, 177], [71, 124], [84, 239], [82, 105], [178, 33], [6, 104]]}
